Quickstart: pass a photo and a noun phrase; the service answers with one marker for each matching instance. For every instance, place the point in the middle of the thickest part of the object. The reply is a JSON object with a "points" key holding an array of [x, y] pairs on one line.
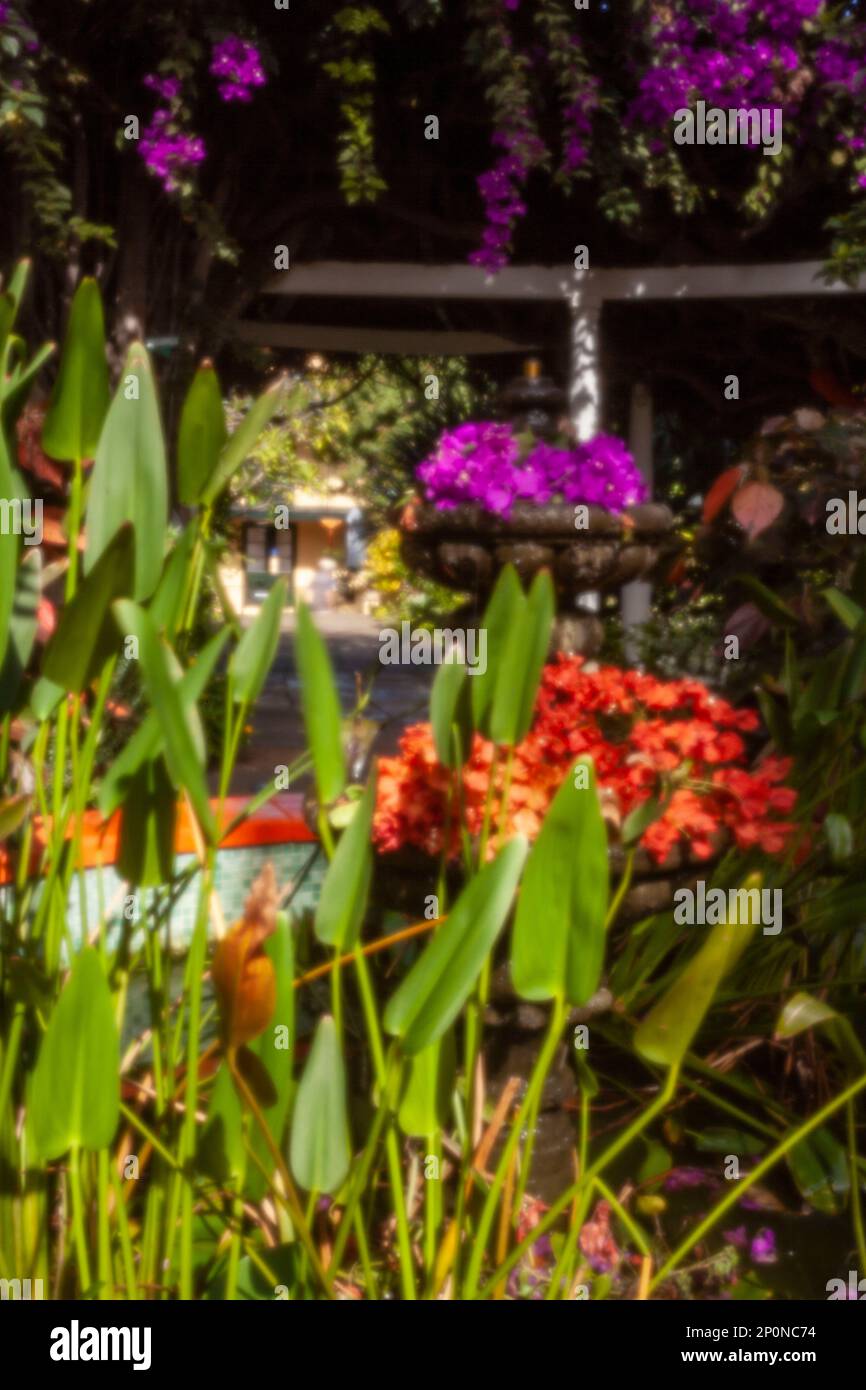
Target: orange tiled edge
{"points": [[279, 822]]}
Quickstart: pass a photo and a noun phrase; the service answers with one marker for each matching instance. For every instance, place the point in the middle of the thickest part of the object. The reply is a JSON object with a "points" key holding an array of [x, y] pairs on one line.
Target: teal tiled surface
{"points": [[106, 893]]}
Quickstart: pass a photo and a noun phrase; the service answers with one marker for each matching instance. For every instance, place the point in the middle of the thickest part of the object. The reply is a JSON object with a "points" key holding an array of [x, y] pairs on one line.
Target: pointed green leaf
{"points": [[202, 434], [666, 1033], [449, 701], [129, 481], [81, 393], [321, 707], [87, 635], [847, 611], [9, 545], [75, 1092], [320, 1149], [145, 853], [13, 814], [180, 723], [241, 444], [520, 672], [253, 657], [500, 617], [166, 606], [147, 741], [557, 948], [343, 900], [22, 627], [441, 980], [426, 1097]]}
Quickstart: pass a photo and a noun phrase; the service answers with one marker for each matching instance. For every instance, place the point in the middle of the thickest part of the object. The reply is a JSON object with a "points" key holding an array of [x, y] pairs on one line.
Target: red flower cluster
{"points": [[674, 740]]}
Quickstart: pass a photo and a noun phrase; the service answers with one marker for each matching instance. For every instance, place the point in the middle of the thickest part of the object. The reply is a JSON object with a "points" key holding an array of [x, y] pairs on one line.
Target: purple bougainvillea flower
{"points": [[238, 65], [763, 1247]]}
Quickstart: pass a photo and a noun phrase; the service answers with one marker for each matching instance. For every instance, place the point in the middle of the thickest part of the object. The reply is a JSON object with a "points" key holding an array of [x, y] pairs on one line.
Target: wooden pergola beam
{"points": [[406, 280], [405, 341]]}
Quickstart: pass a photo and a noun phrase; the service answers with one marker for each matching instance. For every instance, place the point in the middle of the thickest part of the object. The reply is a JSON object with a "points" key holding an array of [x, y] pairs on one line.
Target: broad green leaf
{"points": [[425, 1101], [441, 980], [147, 741], [804, 1011], [22, 627], [179, 721], [81, 393], [557, 947], [145, 855], [75, 1091], [166, 606], [241, 444], [45, 697], [253, 657], [819, 1167], [847, 611], [520, 672], [9, 545], [86, 635], [321, 708], [13, 813], [721, 1139], [840, 836], [343, 900], [319, 1148], [666, 1034], [448, 707], [640, 819], [501, 615], [202, 434], [129, 480]]}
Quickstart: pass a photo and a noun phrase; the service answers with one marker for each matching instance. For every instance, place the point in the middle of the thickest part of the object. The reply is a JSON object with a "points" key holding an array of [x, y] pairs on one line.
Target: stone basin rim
{"points": [[552, 521]]}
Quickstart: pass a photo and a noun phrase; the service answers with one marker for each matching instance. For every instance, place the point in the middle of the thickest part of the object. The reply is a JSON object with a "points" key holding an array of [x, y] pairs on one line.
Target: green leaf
{"points": [[22, 627], [321, 708], [425, 1101], [666, 1033], [448, 707], [9, 544], [343, 900], [320, 1150], [255, 652], [525, 654], [770, 605], [166, 606], [557, 947], [75, 1092], [840, 836], [441, 980], [180, 723], [243, 441], [847, 611], [129, 481], [13, 813], [147, 741], [81, 393], [503, 612], [202, 435], [86, 635], [145, 853], [819, 1167], [44, 698]]}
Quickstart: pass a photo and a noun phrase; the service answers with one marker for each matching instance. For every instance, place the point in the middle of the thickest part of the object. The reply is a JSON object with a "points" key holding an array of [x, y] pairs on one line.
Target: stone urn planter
{"points": [[586, 549]]}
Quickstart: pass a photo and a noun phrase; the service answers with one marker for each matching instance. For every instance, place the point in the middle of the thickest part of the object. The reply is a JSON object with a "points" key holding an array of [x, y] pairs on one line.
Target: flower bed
{"points": [[666, 746]]}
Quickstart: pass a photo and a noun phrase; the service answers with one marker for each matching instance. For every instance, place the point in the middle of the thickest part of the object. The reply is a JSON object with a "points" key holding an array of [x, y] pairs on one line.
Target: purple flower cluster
{"points": [[168, 151], [500, 189], [238, 66], [482, 463]]}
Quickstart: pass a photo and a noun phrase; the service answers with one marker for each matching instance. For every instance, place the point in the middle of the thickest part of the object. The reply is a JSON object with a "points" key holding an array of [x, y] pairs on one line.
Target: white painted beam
{"points": [[407, 280], [411, 342]]}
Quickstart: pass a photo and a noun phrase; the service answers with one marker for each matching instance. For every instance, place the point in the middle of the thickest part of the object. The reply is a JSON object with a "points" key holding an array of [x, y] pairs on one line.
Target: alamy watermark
{"points": [[21, 518], [434, 647], [739, 906], [738, 125]]}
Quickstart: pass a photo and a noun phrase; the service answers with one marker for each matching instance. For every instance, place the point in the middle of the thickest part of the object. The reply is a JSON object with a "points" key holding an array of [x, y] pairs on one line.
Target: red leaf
{"points": [[721, 491], [756, 507]]}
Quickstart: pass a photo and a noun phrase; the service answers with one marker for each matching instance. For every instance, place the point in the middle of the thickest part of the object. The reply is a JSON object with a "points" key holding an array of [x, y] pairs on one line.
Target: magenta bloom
{"points": [[238, 65], [480, 464]]}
